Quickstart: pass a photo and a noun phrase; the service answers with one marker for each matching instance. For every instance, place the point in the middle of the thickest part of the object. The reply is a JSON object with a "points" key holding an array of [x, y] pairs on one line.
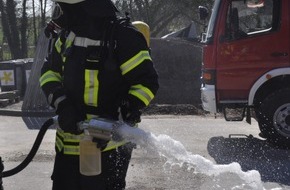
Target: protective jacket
{"points": [[97, 71]]}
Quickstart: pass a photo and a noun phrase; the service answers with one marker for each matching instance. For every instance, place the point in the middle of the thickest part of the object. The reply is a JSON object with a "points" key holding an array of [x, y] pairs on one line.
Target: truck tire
{"points": [[274, 118]]}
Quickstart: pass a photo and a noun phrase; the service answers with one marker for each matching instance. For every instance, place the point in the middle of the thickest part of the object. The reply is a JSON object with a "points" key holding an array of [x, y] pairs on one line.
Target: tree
{"points": [[16, 26], [43, 4], [162, 15], [23, 30], [10, 29], [22, 24]]}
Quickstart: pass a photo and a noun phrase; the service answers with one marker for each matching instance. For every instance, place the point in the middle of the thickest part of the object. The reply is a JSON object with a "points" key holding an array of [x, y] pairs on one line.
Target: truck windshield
{"points": [[212, 22], [251, 18]]}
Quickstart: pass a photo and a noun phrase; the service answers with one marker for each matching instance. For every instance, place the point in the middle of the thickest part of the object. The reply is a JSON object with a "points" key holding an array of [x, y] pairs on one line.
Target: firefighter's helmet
{"points": [[95, 8]]}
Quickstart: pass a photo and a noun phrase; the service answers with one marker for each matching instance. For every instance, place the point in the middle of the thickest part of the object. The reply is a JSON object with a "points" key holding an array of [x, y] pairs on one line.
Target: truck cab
{"points": [[246, 66]]}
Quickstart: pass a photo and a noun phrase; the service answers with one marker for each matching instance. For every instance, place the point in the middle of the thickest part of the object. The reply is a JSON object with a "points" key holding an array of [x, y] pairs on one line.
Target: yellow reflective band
{"points": [[60, 132], [91, 116], [91, 87], [69, 40], [58, 45], [134, 61], [72, 138], [68, 137], [142, 93], [63, 58], [62, 138], [74, 149], [94, 61], [68, 43], [113, 145], [49, 76], [58, 143], [71, 150]]}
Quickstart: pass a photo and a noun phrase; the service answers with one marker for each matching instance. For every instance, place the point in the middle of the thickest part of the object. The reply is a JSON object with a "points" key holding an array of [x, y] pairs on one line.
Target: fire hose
{"points": [[32, 152], [97, 128], [30, 155]]}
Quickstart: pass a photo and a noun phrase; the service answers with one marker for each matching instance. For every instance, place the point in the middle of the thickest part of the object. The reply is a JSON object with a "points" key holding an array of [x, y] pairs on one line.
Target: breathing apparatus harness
{"points": [[98, 128]]}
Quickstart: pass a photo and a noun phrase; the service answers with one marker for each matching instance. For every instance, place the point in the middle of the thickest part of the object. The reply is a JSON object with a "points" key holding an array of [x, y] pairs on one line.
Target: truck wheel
{"points": [[274, 118]]}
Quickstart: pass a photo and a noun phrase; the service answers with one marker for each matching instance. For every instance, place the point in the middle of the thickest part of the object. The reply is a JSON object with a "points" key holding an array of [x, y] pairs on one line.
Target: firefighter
{"points": [[99, 66]]}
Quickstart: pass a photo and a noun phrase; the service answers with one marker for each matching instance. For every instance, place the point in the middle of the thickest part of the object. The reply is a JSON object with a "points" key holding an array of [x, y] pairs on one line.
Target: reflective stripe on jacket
{"points": [[69, 143], [49, 76], [79, 66]]}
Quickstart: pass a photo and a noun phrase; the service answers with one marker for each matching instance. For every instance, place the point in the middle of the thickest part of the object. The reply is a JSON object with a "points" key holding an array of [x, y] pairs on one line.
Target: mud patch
{"points": [[178, 109], [41, 156]]}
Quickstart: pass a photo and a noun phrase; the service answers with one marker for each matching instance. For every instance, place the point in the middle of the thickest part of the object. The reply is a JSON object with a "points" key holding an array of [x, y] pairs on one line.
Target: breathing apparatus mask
{"points": [[57, 11], [55, 24], [63, 16]]}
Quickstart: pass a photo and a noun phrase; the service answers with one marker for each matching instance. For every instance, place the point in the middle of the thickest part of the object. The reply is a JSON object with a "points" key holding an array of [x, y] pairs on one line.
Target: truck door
{"points": [[253, 39]]}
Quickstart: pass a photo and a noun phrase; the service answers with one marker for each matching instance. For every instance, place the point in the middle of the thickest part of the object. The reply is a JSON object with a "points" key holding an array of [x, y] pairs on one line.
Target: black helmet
{"points": [[100, 8], [95, 8]]}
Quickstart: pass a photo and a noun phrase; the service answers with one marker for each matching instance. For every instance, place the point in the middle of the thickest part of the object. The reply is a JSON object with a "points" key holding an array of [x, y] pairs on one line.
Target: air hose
{"points": [[32, 152]]}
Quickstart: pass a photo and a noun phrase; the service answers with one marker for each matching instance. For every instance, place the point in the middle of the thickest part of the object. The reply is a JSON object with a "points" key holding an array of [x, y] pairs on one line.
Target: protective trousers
{"points": [[115, 163]]}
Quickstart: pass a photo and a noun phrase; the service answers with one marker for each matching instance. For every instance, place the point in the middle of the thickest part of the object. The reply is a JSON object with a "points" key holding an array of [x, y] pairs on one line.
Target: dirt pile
{"points": [[167, 109]]}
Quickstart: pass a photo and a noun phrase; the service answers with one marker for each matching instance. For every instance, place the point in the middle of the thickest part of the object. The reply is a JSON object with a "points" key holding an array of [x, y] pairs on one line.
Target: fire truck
{"points": [[246, 66]]}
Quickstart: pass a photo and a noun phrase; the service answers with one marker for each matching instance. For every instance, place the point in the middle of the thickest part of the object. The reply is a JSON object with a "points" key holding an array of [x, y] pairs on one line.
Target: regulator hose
{"points": [[33, 150]]}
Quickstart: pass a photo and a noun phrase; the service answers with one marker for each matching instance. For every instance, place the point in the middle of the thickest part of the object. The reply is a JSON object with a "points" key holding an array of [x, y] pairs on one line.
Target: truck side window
{"points": [[246, 18]]}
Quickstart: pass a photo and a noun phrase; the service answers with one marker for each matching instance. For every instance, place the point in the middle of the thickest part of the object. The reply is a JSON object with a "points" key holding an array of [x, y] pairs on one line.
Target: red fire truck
{"points": [[246, 66]]}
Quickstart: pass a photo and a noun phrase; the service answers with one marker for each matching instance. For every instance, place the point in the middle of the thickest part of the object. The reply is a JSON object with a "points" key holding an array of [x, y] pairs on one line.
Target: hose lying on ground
{"points": [[33, 150]]}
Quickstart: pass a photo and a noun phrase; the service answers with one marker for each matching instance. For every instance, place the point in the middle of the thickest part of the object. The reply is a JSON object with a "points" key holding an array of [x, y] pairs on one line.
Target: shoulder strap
{"points": [[111, 64]]}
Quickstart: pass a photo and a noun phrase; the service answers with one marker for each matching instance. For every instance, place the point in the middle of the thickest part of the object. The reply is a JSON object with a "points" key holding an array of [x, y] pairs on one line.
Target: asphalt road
{"points": [[192, 152]]}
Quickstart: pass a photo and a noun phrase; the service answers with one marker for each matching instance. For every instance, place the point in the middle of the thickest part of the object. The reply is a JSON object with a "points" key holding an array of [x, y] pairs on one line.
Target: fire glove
{"points": [[101, 144], [130, 115], [133, 117], [68, 117]]}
